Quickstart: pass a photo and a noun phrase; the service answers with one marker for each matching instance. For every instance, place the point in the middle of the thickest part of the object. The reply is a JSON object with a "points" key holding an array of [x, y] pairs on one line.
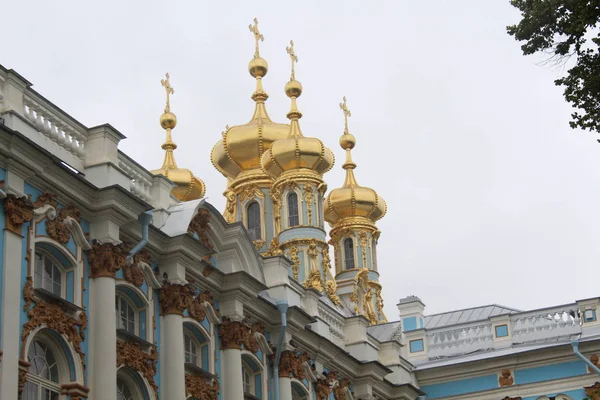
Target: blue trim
{"points": [[258, 385], [550, 372], [461, 387], [142, 323], [66, 351], [70, 285], [132, 295]]}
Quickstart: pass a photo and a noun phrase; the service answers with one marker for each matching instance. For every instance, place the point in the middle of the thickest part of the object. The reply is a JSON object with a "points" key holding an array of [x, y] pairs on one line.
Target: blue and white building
{"points": [[122, 282]]}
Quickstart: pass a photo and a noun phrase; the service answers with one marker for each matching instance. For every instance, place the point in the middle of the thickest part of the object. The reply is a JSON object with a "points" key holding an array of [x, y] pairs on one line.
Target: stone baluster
{"points": [[174, 299]]}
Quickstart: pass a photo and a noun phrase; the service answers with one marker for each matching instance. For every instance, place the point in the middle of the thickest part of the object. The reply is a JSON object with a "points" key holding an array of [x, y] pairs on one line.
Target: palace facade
{"points": [[117, 281]]}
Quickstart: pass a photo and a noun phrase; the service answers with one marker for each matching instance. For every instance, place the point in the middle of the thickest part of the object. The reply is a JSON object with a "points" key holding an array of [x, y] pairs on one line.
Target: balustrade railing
{"points": [[458, 341], [57, 128], [545, 323], [140, 179]]}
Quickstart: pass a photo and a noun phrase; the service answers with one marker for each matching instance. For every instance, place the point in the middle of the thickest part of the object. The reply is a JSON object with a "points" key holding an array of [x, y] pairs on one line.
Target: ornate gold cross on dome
{"points": [[347, 114], [293, 57], [257, 36], [169, 89]]}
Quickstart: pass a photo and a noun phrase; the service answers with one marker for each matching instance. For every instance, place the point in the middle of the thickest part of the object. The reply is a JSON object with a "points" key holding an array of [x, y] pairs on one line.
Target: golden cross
{"points": [[257, 36], [169, 89], [294, 57], [347, 114]]}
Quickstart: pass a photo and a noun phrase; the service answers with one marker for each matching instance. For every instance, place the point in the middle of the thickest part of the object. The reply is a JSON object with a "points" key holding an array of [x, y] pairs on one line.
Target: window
{"points": [[123, 391], [247, 379], [501, 331], [125, 314], [416, 346], [374, 253], [348, 253], [47, 274], [42, 379], [253, 217], [293, 217], [191, 349]]}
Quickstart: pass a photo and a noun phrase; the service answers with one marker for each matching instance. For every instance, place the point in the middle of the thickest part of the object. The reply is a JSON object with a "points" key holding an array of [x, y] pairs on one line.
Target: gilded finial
{"points": [[347, 114], [257, 36], [169, 89], [293, 57]]}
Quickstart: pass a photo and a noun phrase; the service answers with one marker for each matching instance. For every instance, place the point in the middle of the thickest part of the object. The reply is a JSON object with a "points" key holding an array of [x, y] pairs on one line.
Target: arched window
{"points": [[292, 203], [374, 253], [253, 218], [252, 375], [126, 314], [123, 391], [299, 391], [42, 379], [247, 379], [191, 348], [348, 253], [48, 274]]}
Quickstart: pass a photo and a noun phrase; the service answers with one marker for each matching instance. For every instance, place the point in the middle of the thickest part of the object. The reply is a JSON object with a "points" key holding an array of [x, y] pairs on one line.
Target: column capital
{"points": [[106, 259], [234, 334], [174, 298], [292, 364]]}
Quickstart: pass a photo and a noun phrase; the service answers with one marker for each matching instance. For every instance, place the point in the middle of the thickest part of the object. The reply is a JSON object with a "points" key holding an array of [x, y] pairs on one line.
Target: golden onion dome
{"points": [[352, 200], [242, 146], [296, 151], [187, 186]]}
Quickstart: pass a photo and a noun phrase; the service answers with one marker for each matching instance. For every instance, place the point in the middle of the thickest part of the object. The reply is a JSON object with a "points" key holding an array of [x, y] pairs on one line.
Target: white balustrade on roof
{"points": [[447, 342], [546, 323], [140, 179]]}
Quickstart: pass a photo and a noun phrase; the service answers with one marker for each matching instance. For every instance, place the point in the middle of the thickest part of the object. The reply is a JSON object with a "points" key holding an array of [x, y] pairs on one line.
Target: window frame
{"points": [[136, 312], [36, 380], [289, 209], [347, 252], [246, 369], [45, 255], [252, 230]]}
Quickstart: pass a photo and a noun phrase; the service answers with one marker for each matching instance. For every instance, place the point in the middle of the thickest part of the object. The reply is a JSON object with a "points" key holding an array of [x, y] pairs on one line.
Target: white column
{"points": [[232, 376], [285, 388], [173, 357], [12, 293], [103, 339]]}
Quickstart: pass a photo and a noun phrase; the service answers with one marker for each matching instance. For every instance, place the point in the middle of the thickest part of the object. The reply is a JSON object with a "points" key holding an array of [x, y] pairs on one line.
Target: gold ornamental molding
{"points": [[506, 378], [324, 386], [54, 316], [56, 228], [175, 298], [235, 334], [291, 365], [340, 391], [200, 388], [199, 226], [22, 379], [106, 259], [18, 211], [132, 355]]}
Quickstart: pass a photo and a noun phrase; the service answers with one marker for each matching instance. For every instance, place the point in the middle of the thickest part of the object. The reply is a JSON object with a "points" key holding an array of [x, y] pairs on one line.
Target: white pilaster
{"points": [[173, 357], [285, 388], [103, 339], [12, 286], [232, 377]]}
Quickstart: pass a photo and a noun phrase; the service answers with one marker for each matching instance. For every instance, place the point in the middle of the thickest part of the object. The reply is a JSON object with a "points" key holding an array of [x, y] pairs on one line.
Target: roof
{"points": [[386, 332], [466, 315]]}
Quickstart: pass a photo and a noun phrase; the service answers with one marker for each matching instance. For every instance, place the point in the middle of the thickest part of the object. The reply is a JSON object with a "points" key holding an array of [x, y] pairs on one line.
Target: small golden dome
{"points": [[187, 186], [296, 151], [352, 201], [241, 148]]}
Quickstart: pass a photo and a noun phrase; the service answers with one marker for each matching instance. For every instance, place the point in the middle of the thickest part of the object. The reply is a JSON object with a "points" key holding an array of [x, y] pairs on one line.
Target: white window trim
{"points": [[136, 314]]}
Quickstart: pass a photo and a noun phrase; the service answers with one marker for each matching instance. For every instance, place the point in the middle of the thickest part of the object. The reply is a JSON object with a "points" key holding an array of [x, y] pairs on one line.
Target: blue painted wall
{"points": [[461, 387], [550, 372]]}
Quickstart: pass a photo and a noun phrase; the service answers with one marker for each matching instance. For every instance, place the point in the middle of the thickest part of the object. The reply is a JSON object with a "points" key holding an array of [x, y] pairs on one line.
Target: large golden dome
{"points": [[187, 186], [296, 152], [352, 202], [242, 146]]}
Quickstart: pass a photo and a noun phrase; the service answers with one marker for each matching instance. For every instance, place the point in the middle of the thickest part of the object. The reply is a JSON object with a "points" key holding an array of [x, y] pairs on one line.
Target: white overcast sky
{"points": [[492, 198]]}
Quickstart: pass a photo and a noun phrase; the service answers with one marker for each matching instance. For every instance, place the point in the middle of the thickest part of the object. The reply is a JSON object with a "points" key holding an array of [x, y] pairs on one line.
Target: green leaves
{"points": [[564, 29]]}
